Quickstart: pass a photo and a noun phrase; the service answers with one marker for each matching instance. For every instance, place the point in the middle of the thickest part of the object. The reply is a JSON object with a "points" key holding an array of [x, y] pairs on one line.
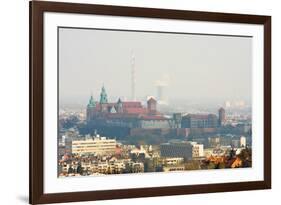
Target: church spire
{"points": [[119, 101], [103, 96], [119, 106], [91, 103]]}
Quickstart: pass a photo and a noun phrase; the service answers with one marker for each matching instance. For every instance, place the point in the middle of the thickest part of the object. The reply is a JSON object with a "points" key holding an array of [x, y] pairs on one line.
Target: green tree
{"points": [[211, 165], [221, 165]]}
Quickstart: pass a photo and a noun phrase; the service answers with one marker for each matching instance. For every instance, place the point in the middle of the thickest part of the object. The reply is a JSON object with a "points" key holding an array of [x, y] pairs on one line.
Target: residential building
{"points": [[197, 150], [97, 145]]}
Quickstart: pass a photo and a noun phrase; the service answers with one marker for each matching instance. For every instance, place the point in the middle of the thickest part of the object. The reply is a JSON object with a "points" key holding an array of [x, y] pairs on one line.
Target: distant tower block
{"points": [[227, 104], [161, 92], [133, 76], [221, 116], [161, 86]]}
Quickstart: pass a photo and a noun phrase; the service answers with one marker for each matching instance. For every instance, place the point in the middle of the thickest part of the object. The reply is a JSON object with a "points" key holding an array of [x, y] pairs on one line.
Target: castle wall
{"points": [[155, 124]]}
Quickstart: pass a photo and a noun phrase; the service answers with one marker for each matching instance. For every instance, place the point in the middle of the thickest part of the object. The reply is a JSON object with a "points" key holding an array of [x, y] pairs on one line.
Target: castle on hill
{"points": [[136, 118], [130, 114]]}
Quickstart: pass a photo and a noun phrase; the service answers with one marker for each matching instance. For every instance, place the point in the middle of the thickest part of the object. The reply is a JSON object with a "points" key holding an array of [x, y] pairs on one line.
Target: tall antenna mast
{"points": [[133, 76]]}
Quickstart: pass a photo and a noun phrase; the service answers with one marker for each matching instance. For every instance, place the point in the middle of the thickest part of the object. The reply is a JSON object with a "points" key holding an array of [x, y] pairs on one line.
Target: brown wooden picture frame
{"points": [[37, 8]]}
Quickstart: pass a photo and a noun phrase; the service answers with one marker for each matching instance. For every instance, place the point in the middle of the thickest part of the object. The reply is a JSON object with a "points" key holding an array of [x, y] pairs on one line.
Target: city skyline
{"points": [[81, 76], [153, 102]]}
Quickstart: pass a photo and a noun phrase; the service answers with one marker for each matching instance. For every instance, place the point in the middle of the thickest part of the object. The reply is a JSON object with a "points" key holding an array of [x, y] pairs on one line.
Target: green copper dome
{"points": [[91, 103], [103, 96]]}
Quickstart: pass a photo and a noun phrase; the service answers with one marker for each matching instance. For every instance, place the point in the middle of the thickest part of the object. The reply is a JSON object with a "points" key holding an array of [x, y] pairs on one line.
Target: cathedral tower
{"points": [[91, 108], [152, 106], [103, 100], [119, 106]]}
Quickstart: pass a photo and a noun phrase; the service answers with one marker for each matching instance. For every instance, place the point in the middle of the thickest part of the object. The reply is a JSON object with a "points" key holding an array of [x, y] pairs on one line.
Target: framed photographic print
{"points": [[138, 102]]}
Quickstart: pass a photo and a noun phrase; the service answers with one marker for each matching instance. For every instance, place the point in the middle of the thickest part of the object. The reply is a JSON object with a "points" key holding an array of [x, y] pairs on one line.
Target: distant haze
{"points": [[199, 67]]}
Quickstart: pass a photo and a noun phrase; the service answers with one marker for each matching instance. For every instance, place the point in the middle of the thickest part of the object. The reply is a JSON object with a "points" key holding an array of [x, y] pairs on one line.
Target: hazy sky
{"points": [[197, 66]]}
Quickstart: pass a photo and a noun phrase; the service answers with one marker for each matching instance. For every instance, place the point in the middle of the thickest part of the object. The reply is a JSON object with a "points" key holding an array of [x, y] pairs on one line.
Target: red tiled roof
{"points": [[131, 104], [130, 109], [135, 110]]}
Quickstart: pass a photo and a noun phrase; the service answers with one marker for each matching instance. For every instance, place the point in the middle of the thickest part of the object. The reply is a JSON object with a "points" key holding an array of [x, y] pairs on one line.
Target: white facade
{"points": [[198, 150], [242, 141], [98, 145], [173, 160]]}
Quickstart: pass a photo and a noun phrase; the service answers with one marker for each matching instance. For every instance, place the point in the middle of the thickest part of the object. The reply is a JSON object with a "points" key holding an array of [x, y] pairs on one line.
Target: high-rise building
{"points": [[221, 116], [161, 95], [161, 87], [227, 104], [176, 149]]}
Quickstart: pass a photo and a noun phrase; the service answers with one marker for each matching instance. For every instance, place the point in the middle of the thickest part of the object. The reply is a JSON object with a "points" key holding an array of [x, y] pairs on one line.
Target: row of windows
{"points": [[96, 143], [92, 148]]}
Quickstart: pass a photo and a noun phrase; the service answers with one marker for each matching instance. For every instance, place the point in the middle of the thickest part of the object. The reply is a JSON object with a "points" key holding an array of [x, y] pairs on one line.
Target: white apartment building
{"points": [[98, 145], [173, 160], [197, 150]]}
